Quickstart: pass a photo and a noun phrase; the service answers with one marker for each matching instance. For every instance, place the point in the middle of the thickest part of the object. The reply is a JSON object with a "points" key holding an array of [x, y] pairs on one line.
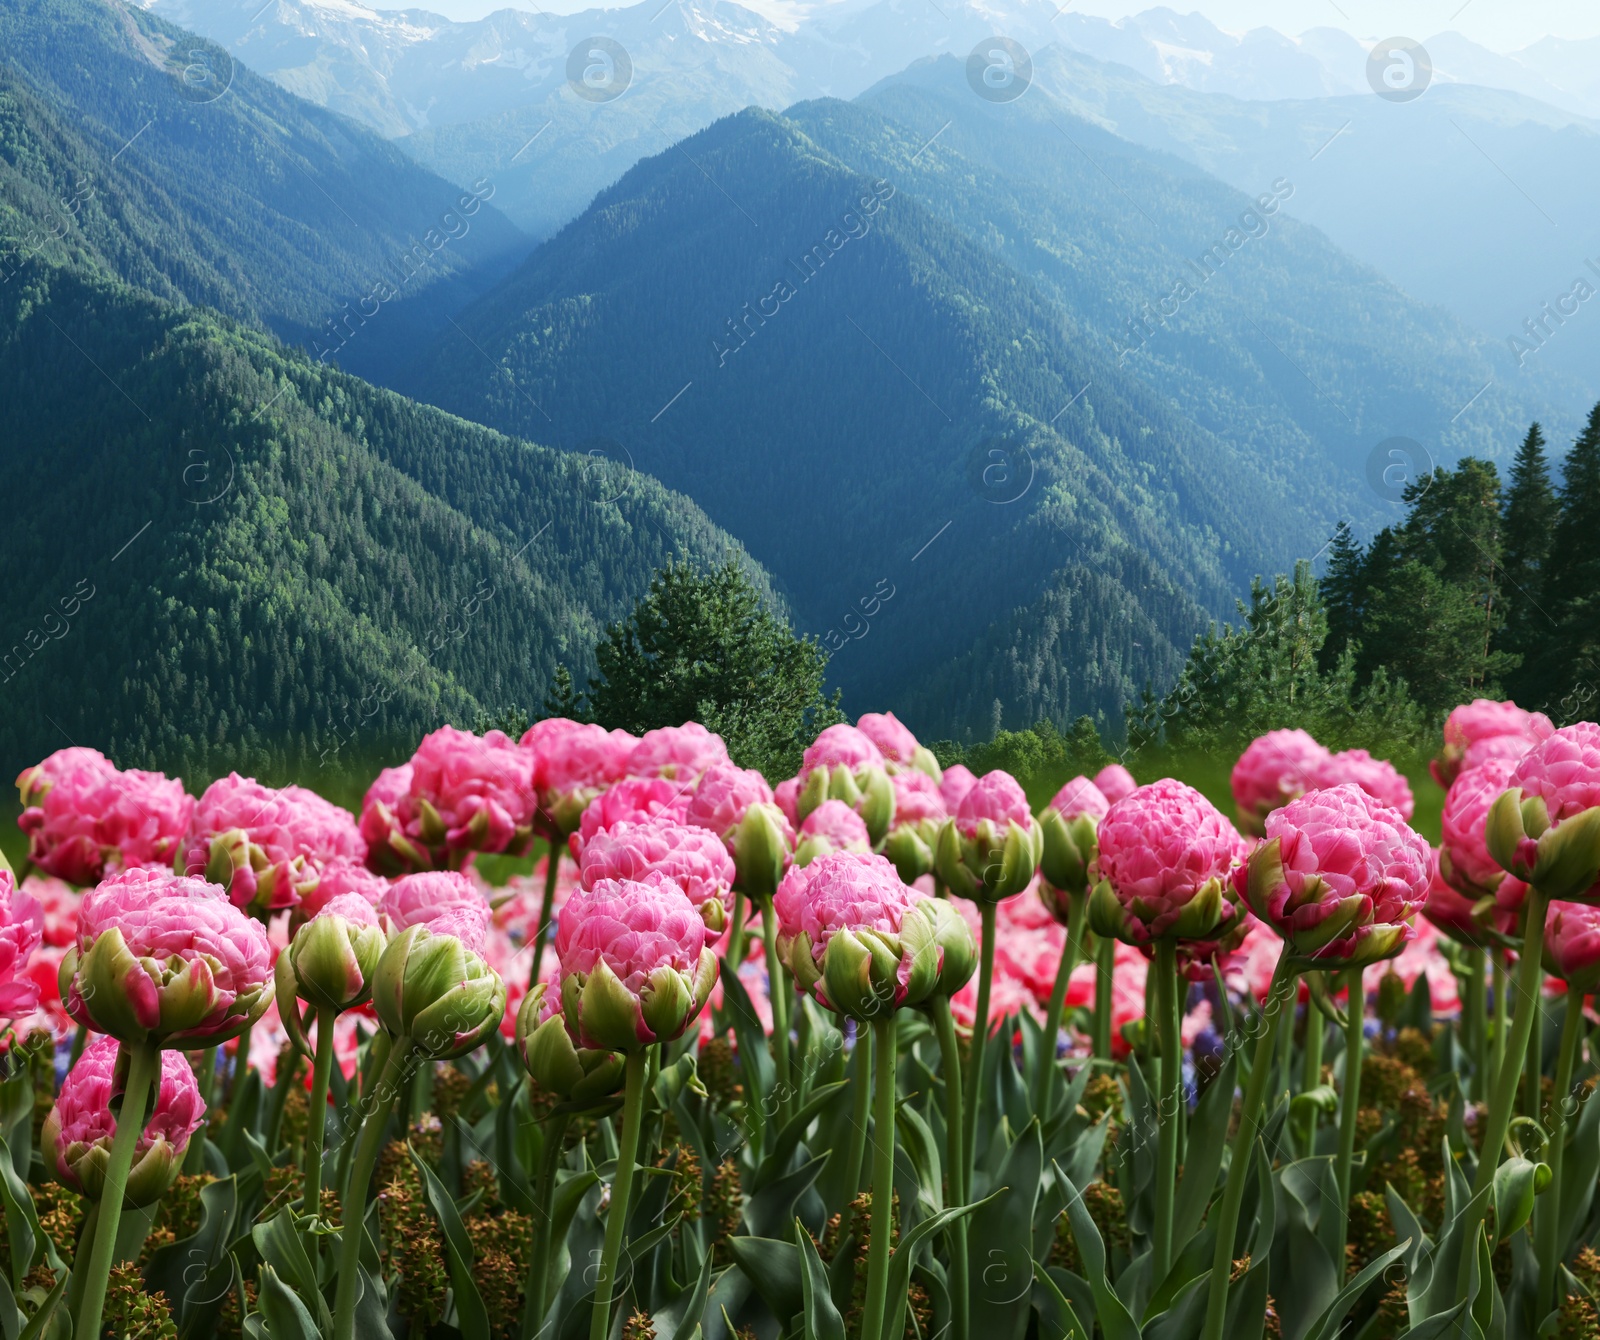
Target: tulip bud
{"points": [[867, 790], [952, 942], [580, 1076], [924, 760], [431, 988], [1562, 862], [910, 847], [760, 842], [990, 865], [1067, 849], [80, 1128], [332, 957], [867, 973]]}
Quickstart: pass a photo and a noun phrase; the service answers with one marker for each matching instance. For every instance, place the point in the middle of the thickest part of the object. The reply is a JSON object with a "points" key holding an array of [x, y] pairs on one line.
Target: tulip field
{"points": [[873, 1053]]}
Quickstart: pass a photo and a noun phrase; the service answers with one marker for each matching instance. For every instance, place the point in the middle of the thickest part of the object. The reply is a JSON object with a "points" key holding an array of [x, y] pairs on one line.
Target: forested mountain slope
{"points": [[131, 145], [221, 553]]}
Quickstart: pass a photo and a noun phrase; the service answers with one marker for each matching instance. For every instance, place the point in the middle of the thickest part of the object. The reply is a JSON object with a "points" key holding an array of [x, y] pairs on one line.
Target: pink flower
{"points": [[470, 793], [635, 967], [1572, 945], [21, 929], [842, 892], [678, 752], [786, 797], [1081, 796], [84, 818], [1483, 729], [571, 764], [957, 781], [421, 899], [1165, 852], [694, 859], [1273, 770], [382, 818], [918, 799], [343, 879], [635, 800], [1454, 913], [1563, 771], [166, 958], [1340, 877], [80, 1128], [267, 847], [995, 799], [723, 796], [832, 826], [1115, 782], [1378, 777], [1465, 863], [895, 744], [60, 902], [841, 745]]}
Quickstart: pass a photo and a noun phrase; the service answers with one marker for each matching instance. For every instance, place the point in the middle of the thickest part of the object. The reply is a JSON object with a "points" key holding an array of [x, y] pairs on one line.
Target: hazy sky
{"points": [[1501, 25]]}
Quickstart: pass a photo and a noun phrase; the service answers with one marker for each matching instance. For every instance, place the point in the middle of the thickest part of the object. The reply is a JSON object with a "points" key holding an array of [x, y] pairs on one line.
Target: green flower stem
{"points": [[1533, 1070], [195, 1160], [377, 1104], [1105, 964], [1165, 969], [1548, 1226], [535, 1292], [1503, 1099], [955, 1144], [552, 871], [1284, 981], [377, 1059], [856, 1154], [980, 1035], [241, 1063], [1355, 1015], [733, 957], [317, 1127], [1044, 1082], [81, 1250], [80, 1040], [621, 1186], [884, 1054], [144, 1066], [1311, 1074], [1498, 1059], [278, 1096], [778, 993], [1474, 1017]]}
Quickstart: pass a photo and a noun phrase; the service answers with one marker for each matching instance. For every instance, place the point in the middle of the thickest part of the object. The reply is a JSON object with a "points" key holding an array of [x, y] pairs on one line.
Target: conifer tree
{"points": [[1530, 517], [1569, 657]]}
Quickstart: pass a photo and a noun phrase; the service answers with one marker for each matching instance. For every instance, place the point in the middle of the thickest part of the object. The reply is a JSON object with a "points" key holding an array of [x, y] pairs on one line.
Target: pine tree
{"points": [[1343, 588], [1570, 654], [1530, 517], [562, 699]]}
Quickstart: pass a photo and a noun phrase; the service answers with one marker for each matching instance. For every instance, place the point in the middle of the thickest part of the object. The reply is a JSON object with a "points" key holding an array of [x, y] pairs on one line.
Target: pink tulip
{"points": [[833, 826], [694, 859], [1081, 796], [1340, 877], [895, 744], [1378, 777], [1559, 781], [79, 1131], [958, 780], [786, 797], [166, 958], [1465, 863], [60, 902], [993, 802], [635, 967], [382, 818], [1455, 913], [1273, 770], [723, 796], [470, 793], [1165, 854], [1563, 771], [85, 819], [267, 847], [1572, 945], [420, 899], [680, 753], [21, 930], [918, 799], [635, 800], [1484, 729], [342, 879], [1115, 782], [571, 764], [841, 745]]}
